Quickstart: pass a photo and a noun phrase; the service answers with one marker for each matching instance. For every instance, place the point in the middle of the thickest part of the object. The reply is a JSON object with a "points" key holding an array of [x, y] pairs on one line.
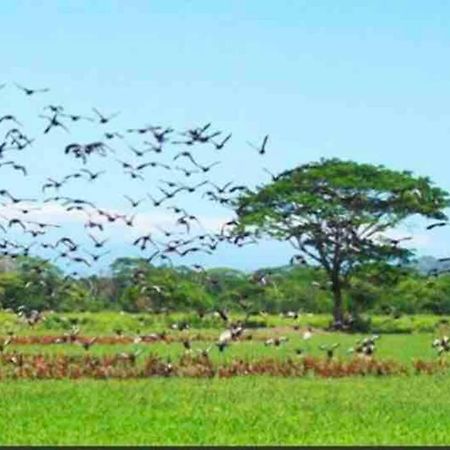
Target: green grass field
{"points": [[105, 323], [253, 410], [403, 348], [407, 409]]}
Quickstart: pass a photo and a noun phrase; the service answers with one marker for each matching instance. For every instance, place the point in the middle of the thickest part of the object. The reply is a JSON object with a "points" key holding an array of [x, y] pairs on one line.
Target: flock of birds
{"points": [[137, 154], [234, 331]]}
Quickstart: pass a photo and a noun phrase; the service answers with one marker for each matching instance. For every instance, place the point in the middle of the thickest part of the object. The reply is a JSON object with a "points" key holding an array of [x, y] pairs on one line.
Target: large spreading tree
{"points": [[336, 214]]}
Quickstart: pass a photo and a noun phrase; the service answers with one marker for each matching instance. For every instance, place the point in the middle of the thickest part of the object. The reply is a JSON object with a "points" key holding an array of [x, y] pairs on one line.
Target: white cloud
{"points": [[148, 222]]}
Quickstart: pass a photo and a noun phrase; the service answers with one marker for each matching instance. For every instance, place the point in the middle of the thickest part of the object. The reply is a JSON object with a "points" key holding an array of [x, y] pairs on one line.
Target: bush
{"points": [[361, 324], [55, 322]]}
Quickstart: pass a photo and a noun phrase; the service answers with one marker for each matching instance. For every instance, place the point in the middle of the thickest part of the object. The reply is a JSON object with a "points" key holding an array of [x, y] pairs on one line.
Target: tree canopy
{"points": [[336, 213]]}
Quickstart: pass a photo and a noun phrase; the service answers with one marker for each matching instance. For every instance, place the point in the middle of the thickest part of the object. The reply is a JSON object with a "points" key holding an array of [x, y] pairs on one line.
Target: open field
{"points": [[142, 333], [105, 323], [249, 394], [403, 348], [253, 410]]}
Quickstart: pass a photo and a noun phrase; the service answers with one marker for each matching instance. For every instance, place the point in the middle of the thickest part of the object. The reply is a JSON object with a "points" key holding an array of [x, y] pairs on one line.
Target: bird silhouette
{"points": [[262, 148], [220, 145], [30, 92], [53, 123], [436, 225], [11, 118], [104, 119]]}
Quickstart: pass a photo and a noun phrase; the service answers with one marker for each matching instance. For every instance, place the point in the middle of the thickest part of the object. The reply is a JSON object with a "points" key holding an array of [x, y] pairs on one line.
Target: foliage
{"points": [[372, 289], [336, 213]]}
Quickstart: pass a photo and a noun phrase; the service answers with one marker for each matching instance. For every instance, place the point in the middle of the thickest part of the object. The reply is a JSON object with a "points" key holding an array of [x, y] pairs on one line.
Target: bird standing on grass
{"points": [[442, 345]]}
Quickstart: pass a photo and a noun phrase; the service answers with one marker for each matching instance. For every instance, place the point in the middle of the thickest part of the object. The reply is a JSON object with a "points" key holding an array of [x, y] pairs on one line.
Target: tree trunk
{"points": [[338, 311]]}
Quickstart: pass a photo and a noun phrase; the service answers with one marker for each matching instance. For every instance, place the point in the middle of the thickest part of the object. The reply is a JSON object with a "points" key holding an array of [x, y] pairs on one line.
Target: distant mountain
{"points": [[427, 264]]}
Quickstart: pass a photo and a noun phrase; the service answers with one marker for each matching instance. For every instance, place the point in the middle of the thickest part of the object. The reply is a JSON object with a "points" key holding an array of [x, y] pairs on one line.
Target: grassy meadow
{"points": [[252, 409], [404, 348]]}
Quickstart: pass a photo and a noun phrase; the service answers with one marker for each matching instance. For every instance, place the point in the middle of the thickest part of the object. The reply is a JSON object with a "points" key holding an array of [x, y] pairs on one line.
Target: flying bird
{"points": [[29, 92], [104, 119], [436, 225], [262, 148]]}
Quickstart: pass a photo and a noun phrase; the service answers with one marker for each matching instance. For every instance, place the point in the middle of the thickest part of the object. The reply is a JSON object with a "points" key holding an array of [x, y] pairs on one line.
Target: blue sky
{"points": [[367, 81]]}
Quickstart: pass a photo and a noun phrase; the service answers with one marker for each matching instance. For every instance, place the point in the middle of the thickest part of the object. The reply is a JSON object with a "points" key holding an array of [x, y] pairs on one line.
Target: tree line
{"points": [[134, 285], [336, 214]]}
